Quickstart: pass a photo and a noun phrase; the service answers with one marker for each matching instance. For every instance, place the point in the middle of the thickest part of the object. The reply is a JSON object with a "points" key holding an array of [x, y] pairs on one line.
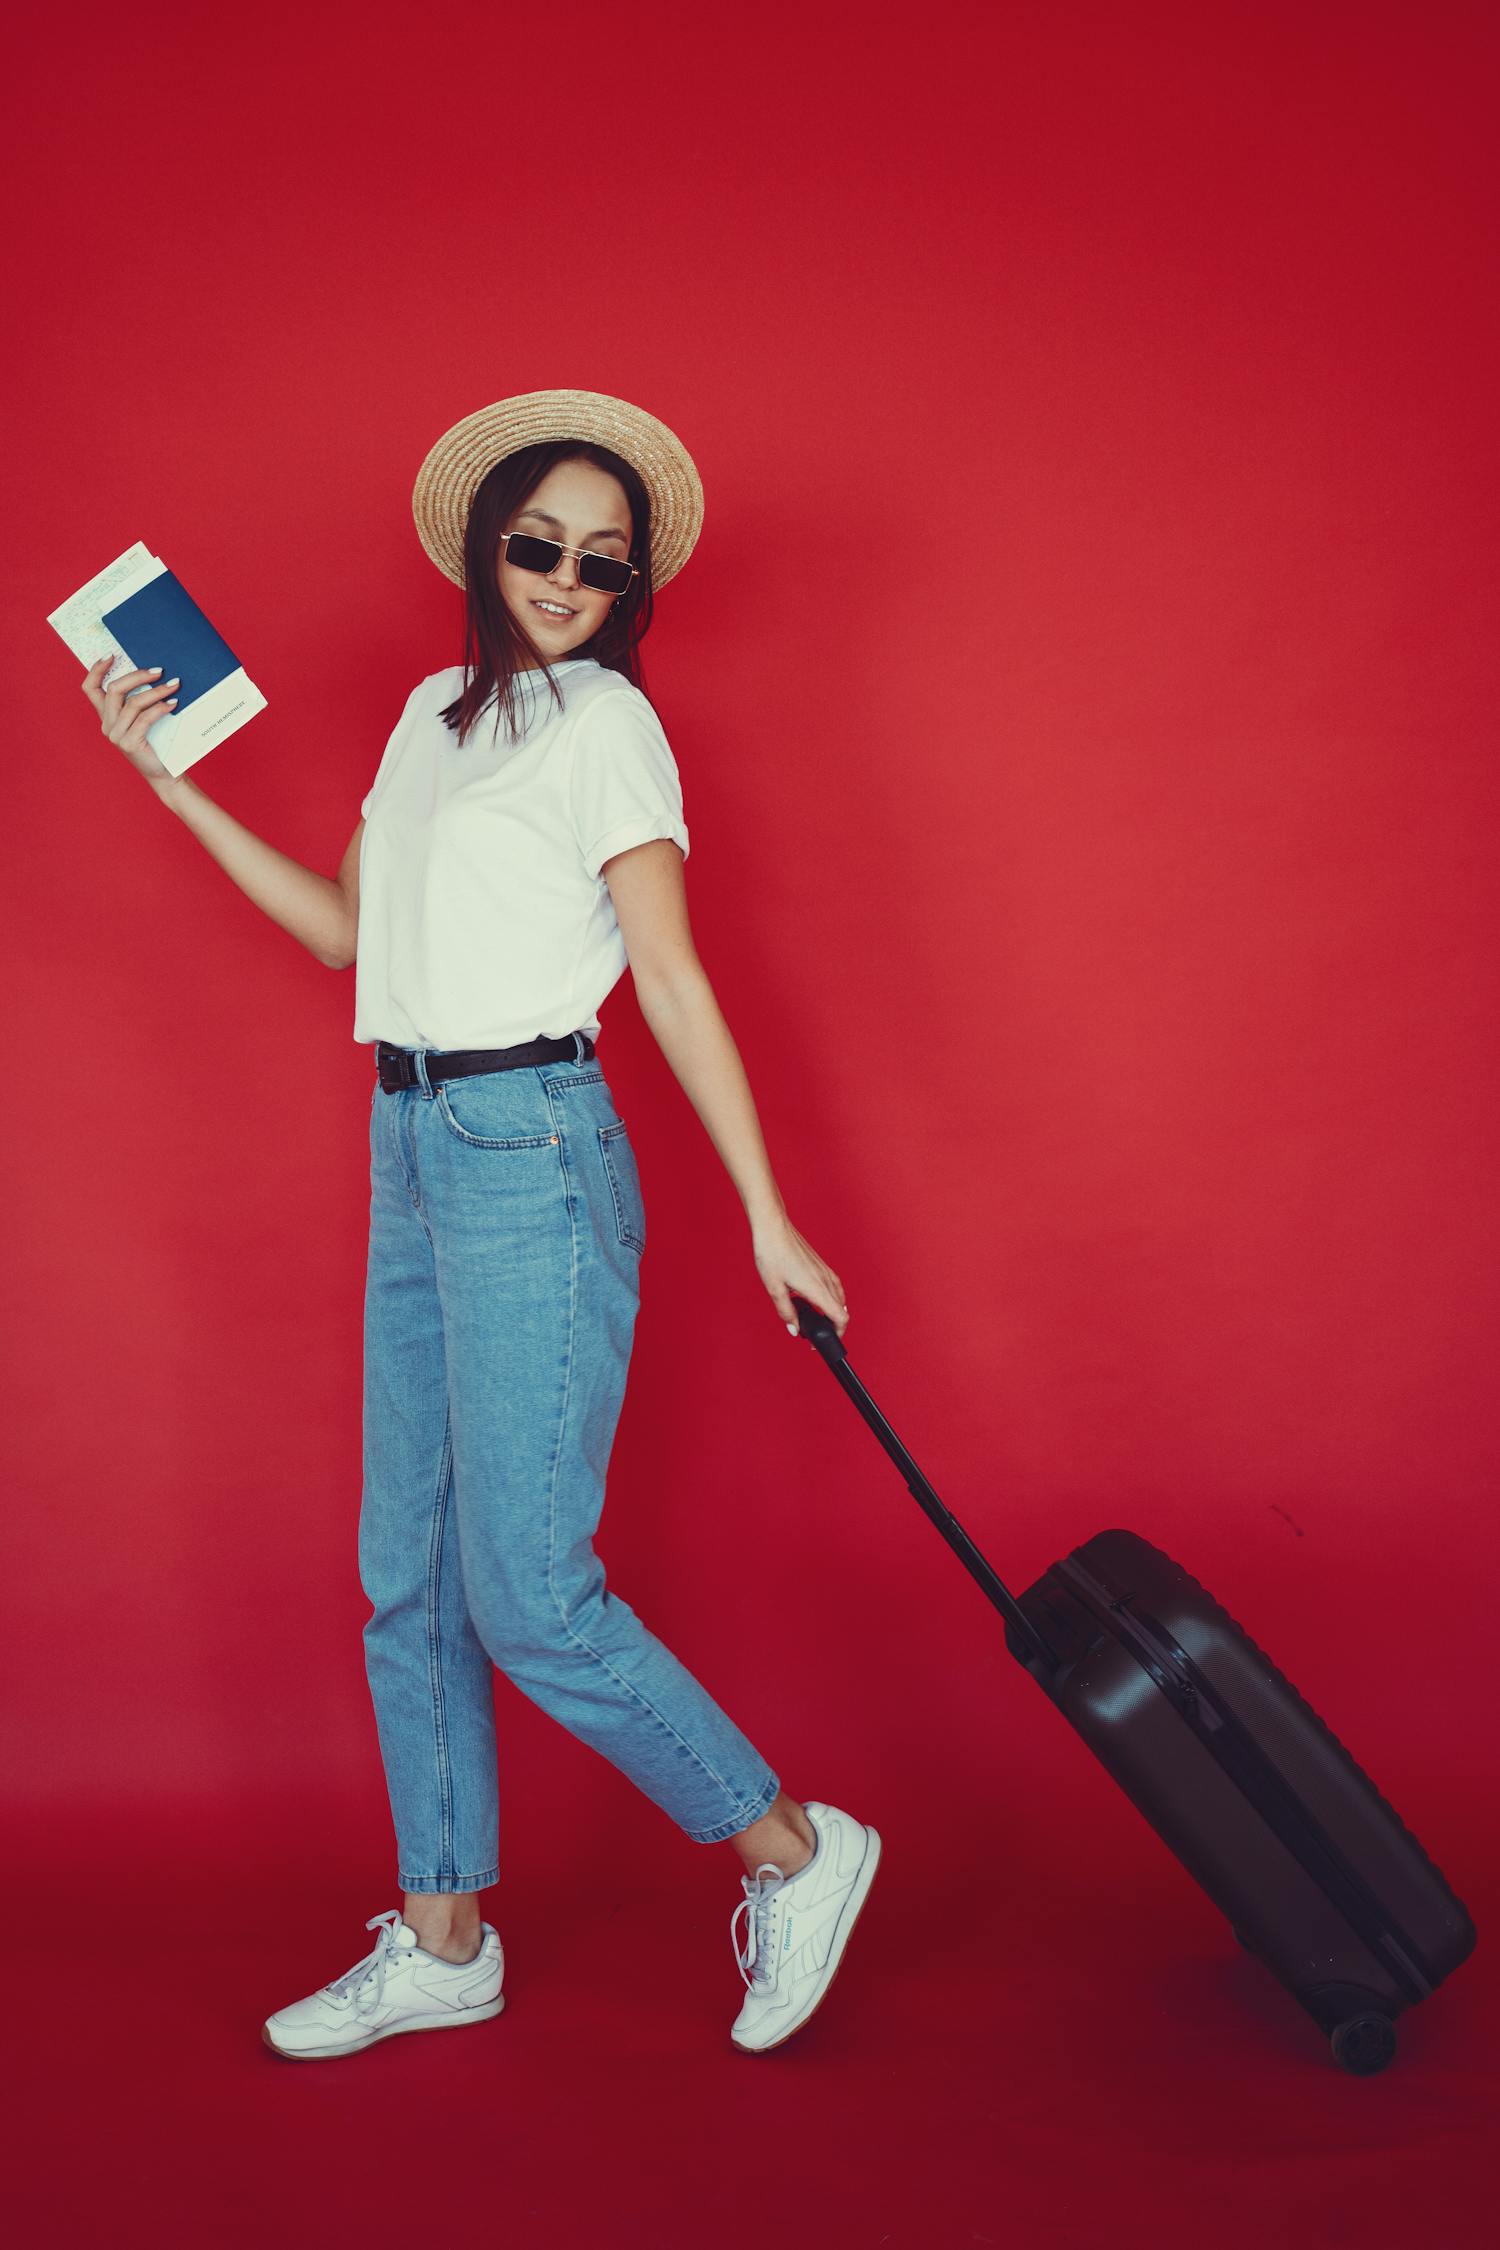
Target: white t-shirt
{"points": [[483, 917]]}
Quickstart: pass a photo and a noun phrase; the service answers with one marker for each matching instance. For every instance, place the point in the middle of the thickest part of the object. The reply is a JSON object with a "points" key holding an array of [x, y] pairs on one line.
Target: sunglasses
{"points": [[605, 573]]}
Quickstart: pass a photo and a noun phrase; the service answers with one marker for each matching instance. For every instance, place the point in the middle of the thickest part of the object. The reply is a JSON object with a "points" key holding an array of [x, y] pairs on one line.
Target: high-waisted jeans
{"points": [[506, 1233]]}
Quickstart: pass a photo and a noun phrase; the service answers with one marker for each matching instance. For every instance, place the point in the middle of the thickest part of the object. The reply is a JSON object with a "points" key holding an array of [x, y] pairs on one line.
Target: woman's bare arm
{"points": [[320, 911], [347, 879]]}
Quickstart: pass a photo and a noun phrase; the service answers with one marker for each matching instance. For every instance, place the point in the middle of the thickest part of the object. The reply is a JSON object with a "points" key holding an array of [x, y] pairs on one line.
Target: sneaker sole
{"points": [[386, 2031], [852, 1910]]}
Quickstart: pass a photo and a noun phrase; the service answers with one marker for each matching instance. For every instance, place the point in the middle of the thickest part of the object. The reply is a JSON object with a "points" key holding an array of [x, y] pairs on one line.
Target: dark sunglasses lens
{"points": [[532, 554], [603, 573]]}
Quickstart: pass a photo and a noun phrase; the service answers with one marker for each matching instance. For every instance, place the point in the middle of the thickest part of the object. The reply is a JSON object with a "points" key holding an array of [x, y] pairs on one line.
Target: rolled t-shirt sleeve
{"points": [[392, 750], [624, 786]]}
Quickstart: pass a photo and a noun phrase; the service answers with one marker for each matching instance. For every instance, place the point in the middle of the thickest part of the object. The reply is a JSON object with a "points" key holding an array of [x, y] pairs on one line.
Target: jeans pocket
{"points": [[483, 1111], [623, 1175]]}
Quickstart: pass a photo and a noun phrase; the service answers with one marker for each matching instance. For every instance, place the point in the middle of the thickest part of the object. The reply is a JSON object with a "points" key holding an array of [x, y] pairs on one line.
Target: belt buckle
{"points": [[396, 1067]]}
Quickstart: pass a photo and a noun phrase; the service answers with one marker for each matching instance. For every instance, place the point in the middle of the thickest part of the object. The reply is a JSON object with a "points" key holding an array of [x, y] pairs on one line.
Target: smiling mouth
{"points": [[558, 611]]}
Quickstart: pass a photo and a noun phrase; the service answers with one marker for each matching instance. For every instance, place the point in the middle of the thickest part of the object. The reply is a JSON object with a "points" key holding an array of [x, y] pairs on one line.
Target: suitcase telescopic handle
{"points": [[821, 1333]]}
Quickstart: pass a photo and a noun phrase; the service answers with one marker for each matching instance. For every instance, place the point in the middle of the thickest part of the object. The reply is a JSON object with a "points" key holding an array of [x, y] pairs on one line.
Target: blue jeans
{"points": [[506, 1233]]}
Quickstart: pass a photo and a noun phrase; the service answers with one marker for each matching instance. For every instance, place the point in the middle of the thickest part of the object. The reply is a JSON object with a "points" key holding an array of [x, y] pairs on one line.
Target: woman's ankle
{"points": [[446, 1922]]}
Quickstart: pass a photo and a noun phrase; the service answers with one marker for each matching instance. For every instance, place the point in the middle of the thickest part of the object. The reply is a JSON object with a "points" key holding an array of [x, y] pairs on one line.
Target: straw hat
{"points": [[463, 456]]}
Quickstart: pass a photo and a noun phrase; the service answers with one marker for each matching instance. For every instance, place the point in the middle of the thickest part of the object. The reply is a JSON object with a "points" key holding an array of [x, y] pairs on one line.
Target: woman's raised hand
{"points": [[125, 718]]}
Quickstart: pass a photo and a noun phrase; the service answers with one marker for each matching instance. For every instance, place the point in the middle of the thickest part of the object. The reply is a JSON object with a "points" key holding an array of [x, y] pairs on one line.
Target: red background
{"points": [[1084, 692]]}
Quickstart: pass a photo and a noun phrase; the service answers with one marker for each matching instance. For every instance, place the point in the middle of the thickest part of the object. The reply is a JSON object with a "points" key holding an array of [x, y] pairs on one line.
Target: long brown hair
{"points": [[495, 647]]}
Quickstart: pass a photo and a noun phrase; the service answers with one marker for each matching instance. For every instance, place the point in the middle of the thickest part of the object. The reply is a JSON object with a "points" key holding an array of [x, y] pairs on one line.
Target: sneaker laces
{"points": [[756, 1908], [354, 1984]]}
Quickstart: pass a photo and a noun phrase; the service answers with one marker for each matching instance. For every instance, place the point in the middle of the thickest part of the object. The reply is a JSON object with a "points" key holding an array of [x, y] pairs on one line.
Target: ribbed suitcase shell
{"points": [[1249, 1788], [1236, 1772]]}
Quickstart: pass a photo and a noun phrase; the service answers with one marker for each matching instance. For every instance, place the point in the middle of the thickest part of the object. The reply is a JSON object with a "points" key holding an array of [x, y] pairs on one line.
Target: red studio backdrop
{"points": [[1084, 690]]}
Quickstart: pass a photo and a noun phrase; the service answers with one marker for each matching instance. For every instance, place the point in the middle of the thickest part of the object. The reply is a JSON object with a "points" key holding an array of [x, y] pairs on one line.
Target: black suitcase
{"points": [[1238, 1775]]}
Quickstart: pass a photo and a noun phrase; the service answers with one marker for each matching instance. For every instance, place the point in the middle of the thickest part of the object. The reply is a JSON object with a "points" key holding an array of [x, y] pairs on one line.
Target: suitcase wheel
{"points": [[1364, 2044]]}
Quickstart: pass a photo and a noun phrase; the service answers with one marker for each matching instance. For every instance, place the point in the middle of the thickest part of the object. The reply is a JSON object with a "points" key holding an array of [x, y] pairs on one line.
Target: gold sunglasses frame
{"points": [[633, 568]]}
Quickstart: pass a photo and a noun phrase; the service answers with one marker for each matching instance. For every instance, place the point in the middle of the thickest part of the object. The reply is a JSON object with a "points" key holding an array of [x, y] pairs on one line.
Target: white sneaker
{"points": [[398, 1987], [797, 1928]]}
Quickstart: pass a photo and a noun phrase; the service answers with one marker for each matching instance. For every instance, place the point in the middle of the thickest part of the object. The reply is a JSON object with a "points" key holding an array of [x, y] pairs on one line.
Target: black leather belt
{"points": [[397, 1065]]}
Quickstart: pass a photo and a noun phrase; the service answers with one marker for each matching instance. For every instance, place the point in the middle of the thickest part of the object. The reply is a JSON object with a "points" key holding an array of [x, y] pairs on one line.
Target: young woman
{"points": [[522, 841]]}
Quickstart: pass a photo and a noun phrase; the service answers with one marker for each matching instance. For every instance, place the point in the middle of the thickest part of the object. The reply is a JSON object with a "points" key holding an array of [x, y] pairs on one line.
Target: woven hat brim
{"points": [[463, 456]]}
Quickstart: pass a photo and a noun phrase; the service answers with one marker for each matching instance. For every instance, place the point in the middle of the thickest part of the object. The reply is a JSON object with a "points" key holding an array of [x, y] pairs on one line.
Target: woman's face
{"points": [[583, 506]]}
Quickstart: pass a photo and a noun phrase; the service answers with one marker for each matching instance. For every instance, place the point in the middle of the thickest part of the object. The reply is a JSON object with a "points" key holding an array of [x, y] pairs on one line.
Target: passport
{"points": [[162, 624], [140, 608]]}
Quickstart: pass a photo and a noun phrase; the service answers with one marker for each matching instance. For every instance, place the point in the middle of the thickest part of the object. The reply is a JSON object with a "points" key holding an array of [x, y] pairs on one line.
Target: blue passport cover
{"points": [[162, 624]]}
